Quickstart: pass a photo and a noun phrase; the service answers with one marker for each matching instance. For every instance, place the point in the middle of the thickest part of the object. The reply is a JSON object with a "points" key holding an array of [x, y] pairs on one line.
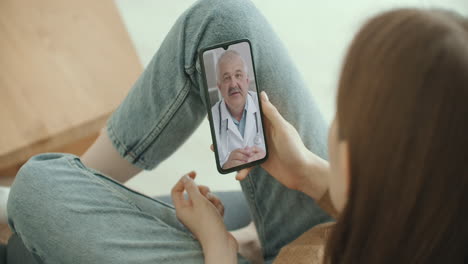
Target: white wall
{"points": [[316, 34]]}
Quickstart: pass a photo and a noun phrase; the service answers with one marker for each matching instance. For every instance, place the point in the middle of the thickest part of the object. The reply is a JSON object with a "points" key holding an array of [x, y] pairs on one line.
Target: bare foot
{"points": [[249, 244]]}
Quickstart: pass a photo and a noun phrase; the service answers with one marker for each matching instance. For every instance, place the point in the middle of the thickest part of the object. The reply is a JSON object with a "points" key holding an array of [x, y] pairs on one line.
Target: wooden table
{"points": [[64, 67]]}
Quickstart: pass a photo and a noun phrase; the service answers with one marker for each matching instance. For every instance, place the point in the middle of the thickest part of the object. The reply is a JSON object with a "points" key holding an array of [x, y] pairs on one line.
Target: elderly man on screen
{"points": [[236, 117]]}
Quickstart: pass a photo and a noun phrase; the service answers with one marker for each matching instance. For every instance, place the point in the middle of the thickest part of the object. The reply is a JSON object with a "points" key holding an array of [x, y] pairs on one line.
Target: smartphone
{"points": [[234, 106]]}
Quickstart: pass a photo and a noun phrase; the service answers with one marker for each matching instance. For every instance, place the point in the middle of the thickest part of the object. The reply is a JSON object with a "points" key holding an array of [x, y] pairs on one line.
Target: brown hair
{"points": [[403, 109]]}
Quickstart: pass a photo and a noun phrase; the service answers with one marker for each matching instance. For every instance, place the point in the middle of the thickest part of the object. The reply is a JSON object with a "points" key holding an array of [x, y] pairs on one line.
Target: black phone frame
{"points": [[225, 46]]}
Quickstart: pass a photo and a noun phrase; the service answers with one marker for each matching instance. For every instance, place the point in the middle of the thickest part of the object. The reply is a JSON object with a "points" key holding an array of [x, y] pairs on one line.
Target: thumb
{"points": [[270, 111], [242, 174]]}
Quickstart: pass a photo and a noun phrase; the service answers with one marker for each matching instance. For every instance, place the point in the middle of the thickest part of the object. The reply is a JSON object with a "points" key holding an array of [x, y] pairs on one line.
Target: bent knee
{"points": [[228, 16], [41, 170], [34, 179]]}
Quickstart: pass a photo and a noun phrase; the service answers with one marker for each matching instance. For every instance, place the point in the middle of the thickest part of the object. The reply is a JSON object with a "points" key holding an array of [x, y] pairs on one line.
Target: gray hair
{"points": [[228, 54]]}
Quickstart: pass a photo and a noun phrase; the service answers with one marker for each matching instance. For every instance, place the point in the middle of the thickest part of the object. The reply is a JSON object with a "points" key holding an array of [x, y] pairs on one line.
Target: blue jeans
{"points": [[68, 213]]}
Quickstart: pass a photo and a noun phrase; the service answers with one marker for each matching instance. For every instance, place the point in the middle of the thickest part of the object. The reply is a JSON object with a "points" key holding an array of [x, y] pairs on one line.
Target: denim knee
{"points": [[36, 176], [229, 16]]}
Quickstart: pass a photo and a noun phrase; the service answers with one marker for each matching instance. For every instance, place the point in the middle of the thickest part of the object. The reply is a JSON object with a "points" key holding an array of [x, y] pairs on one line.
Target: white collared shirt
{"points": [[230, 138]]}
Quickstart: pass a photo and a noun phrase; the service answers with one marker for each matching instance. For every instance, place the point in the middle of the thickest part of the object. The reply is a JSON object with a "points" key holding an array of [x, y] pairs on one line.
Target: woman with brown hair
{"points": [[395, 182], [402, 133], [397, 179], [398, 147]]}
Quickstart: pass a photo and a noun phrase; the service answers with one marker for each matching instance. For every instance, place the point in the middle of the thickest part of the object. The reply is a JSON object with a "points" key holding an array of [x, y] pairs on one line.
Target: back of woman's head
{"points": [[403, 109]]}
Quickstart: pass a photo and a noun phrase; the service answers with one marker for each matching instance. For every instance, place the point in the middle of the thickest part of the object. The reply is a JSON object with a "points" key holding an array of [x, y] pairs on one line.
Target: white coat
{"points": [[229, 138]]}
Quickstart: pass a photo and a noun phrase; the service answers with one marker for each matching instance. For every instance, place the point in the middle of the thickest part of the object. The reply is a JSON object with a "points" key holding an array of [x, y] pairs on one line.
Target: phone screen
{"points": [[234, 108]]}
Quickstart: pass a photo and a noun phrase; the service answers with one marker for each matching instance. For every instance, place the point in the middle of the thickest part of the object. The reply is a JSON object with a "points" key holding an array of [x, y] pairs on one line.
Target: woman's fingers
{"points": [[203, 189], [192, 175], [270, 111], [242, 174], [191, 188], [216, 202], [206, 192], [177, 192]]}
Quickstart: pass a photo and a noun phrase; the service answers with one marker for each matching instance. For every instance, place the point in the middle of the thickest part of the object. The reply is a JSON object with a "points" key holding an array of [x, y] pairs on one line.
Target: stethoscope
{"points": [[257, 140]]}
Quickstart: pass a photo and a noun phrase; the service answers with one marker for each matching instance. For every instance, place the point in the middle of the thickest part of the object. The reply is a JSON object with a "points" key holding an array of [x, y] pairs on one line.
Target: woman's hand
{"points": [[202, 213], [289, 161]]}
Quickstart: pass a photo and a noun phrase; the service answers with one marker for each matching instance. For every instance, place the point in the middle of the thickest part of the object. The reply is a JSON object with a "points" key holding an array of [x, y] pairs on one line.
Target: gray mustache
{"points": [[233, 90]]}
